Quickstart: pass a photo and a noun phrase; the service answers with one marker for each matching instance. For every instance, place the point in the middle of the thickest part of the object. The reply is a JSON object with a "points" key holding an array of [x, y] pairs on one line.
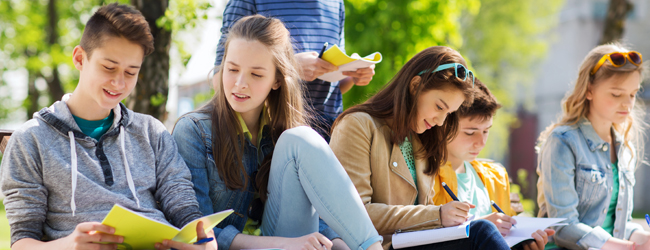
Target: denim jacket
{"points": [[575, 182], [193, 134]]}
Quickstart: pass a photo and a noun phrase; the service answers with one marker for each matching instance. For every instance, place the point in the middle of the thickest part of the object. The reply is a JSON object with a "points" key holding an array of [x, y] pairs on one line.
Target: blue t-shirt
{"points": [[310, 23], [95, 129], [472, 190]]}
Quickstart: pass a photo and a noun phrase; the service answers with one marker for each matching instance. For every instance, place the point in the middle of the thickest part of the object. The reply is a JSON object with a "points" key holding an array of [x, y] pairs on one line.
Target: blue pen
{"points": [[203, 241], [647, 219], [498, 209], [453, 196], [320, 55]]}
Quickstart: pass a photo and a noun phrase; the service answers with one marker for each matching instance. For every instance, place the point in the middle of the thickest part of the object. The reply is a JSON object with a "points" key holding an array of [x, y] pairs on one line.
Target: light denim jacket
{"points": [[575, 182], [193, 134]]}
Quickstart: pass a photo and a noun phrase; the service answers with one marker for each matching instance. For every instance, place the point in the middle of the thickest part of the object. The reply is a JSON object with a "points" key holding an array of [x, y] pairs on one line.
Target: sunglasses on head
{"points": [[460, 71], [618, 59]]}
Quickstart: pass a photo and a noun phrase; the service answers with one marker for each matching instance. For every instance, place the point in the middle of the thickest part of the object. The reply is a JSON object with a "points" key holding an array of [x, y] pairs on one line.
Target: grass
{"points": [[5, 240]]}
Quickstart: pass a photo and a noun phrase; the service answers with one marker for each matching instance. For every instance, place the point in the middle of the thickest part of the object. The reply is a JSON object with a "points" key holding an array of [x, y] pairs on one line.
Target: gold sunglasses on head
{"points": [[618, 59]]}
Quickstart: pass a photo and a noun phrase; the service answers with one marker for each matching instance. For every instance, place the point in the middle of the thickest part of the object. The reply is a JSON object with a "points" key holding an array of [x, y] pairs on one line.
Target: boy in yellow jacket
{"points": [[474, 181]]}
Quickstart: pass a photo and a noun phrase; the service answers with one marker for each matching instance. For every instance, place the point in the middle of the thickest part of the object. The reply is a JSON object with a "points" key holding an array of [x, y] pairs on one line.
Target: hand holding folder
{"points": [[141, 232], [335, 56]]}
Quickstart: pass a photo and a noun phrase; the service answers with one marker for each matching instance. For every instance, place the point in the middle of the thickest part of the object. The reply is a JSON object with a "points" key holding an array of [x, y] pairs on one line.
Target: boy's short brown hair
{"points": [[485, 105], [114, 20]]}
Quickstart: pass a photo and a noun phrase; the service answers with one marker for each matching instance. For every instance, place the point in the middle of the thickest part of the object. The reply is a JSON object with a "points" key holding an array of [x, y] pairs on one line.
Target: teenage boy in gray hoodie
{"points": [[64, 169]]}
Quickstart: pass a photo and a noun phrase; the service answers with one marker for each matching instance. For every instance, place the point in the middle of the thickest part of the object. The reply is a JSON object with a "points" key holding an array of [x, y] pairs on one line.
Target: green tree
{"points": [[504, 43], [399, 29], [150, 93], [36, 36], [39, 36]]}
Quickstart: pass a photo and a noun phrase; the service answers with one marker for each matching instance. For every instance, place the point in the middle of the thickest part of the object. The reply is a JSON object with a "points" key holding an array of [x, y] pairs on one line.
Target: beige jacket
{"points": [[379, 172]]}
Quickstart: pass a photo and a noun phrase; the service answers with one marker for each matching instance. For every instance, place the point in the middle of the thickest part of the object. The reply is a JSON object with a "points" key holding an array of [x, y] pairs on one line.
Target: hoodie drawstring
{"points": [[73, 170], [73, 155], [129, 178]]}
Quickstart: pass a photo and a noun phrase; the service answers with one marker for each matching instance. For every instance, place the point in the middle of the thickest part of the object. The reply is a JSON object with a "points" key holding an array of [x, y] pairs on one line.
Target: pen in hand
{"points": [[499, 210], [203, 241], [320, 55], [453, 196]]}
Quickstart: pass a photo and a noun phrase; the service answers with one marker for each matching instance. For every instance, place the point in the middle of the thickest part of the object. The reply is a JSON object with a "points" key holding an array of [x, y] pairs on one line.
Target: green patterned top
{"points": [[608, 224], [407, 152]]}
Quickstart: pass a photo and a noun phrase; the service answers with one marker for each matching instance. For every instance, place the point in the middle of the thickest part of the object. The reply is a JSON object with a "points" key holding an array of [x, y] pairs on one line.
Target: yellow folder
{"points": [[335, 56], [141, 232]]}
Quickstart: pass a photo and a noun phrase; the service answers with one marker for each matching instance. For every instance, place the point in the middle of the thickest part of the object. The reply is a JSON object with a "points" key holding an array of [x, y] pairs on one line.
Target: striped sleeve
{"points": [[235, 9], [342, 26]]}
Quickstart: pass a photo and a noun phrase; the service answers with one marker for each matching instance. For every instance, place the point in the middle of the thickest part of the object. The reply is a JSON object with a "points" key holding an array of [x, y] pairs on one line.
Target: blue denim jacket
{"points": [[193, 135], [575, 182]]}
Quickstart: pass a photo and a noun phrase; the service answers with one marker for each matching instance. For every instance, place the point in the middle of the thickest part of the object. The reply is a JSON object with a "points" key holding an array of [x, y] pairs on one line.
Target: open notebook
{"points": [[141, 232], [524, 228]]}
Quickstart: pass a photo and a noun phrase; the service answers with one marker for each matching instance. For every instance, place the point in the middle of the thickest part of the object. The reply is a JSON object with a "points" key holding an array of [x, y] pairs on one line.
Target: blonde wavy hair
{"points": [[575, 104]]}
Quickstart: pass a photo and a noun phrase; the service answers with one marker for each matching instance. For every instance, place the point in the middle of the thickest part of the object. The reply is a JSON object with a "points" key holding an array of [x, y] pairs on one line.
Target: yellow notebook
{"points": [[335, 56], [141, 232]]}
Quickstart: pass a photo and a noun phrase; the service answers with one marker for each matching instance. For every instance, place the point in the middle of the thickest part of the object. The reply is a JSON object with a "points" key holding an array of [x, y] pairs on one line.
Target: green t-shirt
{"points": [[608, 224], [95, 129], [472, 190], [407, 152]]}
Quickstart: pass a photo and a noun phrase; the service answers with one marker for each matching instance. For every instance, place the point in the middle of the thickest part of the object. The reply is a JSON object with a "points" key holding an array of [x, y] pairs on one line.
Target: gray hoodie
{"points": [[55, 177]]}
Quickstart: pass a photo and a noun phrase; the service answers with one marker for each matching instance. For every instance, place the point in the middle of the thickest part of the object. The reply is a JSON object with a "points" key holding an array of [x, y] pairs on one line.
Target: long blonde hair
{"points": [[575, 104], [285, 105]]}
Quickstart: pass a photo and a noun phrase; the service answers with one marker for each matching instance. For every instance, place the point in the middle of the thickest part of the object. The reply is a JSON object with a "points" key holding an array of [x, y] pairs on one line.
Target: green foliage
{"points": [[202, 98], [528, 203], [24, 39], [399, 29], [5, 238], [24, 27], [522, 178], [504, 43], [158, 99], [502, 40], [183, 15]]}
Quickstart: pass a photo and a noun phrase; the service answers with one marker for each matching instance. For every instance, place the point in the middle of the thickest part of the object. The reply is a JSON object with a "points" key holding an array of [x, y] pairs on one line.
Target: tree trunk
{"points": [[615, 21], [150, 93], [31, 102], [54, 82]]}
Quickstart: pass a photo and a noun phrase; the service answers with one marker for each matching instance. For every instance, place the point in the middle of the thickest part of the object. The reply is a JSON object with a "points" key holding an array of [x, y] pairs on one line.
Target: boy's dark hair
{"points": [[485, 105], [114, 20]]}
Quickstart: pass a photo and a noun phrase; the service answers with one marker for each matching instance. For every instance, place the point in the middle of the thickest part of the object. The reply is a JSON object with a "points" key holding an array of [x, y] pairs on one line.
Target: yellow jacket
{"points": [[493, 175]]}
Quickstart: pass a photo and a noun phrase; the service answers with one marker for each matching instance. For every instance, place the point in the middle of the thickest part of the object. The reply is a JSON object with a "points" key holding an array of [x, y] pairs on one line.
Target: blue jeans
{"points": [[307, 181], [483, 235]]}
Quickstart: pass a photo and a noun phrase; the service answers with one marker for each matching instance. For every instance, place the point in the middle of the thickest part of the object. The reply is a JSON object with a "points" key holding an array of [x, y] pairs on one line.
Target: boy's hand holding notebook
{"points": [[141, 232], [335, 56]]}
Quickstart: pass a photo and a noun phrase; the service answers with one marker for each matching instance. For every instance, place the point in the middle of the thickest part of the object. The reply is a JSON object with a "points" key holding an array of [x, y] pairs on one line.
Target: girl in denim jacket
{"points": [[248, 150], [587, 159]]}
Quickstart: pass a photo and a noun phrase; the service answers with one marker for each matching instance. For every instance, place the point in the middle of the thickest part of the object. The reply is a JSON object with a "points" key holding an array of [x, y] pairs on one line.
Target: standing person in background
{"points": [[310, 23], [587, 159]]}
